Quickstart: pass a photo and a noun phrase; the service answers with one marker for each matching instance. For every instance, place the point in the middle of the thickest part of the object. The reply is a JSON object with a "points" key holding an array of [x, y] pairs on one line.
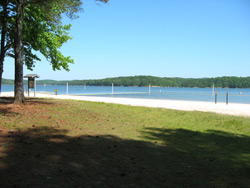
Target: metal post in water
{"points": [[213, 90], [112, 88], [216, 93], [67, 88], [149, 89], [227, 98]]}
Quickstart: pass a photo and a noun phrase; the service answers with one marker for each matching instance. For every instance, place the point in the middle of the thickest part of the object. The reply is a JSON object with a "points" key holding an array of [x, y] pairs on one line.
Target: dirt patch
{"points": [[14, 116]]}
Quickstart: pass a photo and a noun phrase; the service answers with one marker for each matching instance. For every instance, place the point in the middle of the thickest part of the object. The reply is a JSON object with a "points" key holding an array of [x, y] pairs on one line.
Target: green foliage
{"points": [[225, 82], [7, 82], [48, 38], [42, 30], [142, 81]]}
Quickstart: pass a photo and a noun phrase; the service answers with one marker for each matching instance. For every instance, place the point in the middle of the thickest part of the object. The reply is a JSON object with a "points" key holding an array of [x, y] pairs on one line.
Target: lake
{"points": [[168, 93]]}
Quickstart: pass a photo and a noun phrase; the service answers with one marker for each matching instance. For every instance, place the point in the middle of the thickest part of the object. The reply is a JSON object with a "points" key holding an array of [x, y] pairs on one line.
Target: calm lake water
{"points": [[169, 93]]}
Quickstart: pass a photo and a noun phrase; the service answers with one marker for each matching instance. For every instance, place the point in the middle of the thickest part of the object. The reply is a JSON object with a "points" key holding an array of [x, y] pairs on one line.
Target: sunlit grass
{"points": [[123, 121]]}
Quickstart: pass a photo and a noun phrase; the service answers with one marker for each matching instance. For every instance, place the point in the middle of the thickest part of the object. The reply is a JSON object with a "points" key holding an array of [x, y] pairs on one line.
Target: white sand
{"points": [[221, 108]]}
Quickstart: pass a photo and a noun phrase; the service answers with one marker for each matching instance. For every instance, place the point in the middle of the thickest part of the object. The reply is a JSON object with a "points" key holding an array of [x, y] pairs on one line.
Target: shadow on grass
{"points": [[7, 107], [43, 157], [29, 100], [6, 100]]}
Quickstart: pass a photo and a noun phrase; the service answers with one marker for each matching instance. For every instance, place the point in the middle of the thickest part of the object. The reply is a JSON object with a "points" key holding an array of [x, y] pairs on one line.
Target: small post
{"points": [[227, 98], [216, 93], [149, 89], [67, 88], [112, 88], [34, 87]]}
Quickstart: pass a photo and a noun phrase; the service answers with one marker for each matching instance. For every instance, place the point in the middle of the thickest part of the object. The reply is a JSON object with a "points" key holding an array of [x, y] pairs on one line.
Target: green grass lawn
{"points": [[66, 143]]}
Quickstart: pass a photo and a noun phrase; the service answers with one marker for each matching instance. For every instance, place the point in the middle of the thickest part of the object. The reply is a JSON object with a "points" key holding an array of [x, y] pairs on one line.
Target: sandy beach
{"points": [[221, 108]]}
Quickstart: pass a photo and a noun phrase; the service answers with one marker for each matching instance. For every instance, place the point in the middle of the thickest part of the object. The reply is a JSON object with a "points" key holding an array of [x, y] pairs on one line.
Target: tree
{"points": [[44, 34], [34, 21], [37, 29], [67, 6], [5, 20]]}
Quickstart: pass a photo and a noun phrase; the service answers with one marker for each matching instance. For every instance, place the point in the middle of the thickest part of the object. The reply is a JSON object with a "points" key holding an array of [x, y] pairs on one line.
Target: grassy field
{"points": [[66, 143]]}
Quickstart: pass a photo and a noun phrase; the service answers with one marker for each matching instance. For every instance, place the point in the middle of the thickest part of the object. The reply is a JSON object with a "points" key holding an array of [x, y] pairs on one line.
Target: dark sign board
{"points": [[31, 83]]}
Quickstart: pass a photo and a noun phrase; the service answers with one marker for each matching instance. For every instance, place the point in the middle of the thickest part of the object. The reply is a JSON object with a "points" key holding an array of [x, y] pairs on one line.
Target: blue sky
{"points": [[165, 38]]}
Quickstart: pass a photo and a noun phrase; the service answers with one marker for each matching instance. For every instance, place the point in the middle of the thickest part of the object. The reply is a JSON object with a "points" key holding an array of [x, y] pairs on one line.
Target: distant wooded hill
{"points": [[224, 82]]}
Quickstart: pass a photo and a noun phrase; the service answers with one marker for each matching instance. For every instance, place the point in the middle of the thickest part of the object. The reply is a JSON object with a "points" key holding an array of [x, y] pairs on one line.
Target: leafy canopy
{"points": [[42, 30]]}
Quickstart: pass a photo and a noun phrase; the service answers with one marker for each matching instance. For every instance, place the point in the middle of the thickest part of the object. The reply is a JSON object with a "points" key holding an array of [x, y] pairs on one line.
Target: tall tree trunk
{"points": [[3, 37], [1, 71], [19, 91]]}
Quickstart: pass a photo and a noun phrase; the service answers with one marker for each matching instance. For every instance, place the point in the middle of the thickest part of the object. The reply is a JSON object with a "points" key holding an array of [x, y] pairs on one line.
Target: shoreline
{"points": [[134, 86], [235, 109]]}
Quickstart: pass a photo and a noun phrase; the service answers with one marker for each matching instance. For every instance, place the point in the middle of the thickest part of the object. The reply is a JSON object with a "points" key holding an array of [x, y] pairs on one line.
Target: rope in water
{"points": [[219, 94]]}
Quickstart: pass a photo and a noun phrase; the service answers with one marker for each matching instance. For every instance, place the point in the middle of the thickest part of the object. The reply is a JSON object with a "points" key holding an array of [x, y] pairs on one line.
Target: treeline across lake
{"points": [[141, 81]]}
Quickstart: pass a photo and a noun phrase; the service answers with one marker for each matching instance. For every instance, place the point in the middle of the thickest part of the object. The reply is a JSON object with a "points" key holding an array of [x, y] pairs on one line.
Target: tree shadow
{"points": [[7, 108], [7, 111], [28, 100], [47, 157], [222, 158], [6, 100]]}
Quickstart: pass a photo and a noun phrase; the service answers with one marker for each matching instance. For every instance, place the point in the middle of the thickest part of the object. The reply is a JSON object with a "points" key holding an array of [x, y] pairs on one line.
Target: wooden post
{"points": [[34, 87], [227, 98], [112, 88], [216, 93], [67, 88]]}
